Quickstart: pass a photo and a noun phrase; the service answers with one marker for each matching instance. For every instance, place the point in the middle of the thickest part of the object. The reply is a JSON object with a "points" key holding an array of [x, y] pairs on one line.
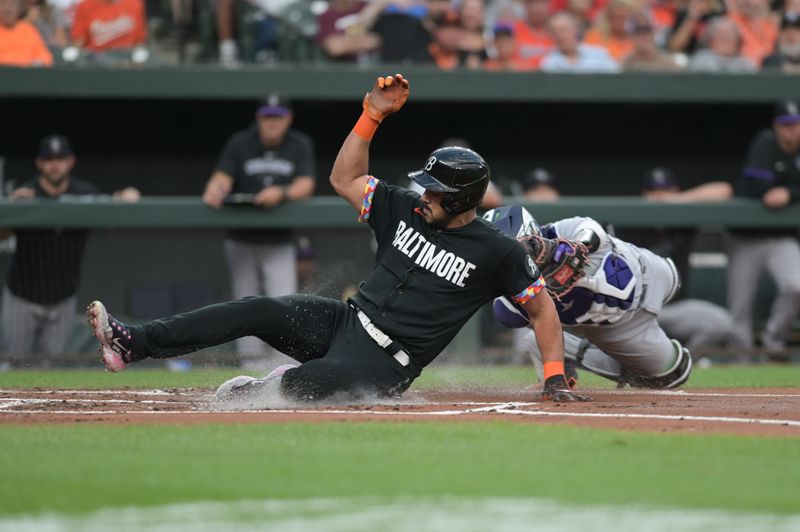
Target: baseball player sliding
{"points": [[608, 294], [437, 263]]}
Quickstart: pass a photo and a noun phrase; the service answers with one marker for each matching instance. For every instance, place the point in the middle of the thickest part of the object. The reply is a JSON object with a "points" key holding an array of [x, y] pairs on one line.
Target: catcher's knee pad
{"points": [[672, 378]]}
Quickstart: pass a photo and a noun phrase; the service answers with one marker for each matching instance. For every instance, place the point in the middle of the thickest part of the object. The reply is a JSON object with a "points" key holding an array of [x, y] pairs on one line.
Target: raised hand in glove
{"points": [[387, 96], [557, 389], [559, 260]]}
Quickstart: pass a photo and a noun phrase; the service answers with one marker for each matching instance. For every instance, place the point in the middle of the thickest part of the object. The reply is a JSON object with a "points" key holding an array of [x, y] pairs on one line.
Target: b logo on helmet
{"points": [[429, 164]]}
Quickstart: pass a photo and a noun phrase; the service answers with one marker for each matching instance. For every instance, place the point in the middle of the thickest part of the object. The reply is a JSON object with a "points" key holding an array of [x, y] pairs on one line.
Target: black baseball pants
{"points": [[339, 359]]}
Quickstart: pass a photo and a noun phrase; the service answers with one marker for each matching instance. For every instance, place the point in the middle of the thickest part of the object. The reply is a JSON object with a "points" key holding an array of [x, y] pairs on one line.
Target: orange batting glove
{"points": [[387, 96]]}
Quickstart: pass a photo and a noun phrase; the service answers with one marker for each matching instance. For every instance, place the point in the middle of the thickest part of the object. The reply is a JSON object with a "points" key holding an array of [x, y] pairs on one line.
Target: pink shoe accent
{"points": [[112, 360], [280, 370]]}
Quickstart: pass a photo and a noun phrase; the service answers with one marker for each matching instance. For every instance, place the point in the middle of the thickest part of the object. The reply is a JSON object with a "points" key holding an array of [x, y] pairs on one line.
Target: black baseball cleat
{"points": [[113, 335]]}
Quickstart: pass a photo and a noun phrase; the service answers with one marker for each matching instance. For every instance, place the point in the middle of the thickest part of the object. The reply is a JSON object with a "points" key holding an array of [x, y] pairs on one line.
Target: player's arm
{"points": [[217, 188], [711, 191], [301, 187], [550, 339], [349, 173]]}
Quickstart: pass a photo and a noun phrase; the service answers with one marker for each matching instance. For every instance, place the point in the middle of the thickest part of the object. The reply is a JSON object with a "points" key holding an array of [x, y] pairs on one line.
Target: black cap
{"points": [[55, 146], [537, 177], [790, 19], [659, 179], [787, 112], [274, 105]]}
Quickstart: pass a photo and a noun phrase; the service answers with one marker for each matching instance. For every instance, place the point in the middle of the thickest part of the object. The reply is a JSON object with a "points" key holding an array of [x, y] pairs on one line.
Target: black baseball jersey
{"points": [[429, 281], [45, 268], [768, 166], [254, 167]]}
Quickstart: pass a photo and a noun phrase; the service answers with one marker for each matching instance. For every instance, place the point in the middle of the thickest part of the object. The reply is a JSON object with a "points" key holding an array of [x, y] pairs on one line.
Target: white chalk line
{"points": [[511, 408]]}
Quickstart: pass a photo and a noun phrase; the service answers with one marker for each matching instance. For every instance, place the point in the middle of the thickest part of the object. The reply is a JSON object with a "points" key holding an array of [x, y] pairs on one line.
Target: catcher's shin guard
{"points": [[677, 375]]}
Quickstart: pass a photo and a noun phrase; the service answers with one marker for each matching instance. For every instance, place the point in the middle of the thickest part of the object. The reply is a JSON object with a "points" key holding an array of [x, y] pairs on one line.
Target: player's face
{"points": [[432, 210], [788, 136], [55, 169], [272, 129]]}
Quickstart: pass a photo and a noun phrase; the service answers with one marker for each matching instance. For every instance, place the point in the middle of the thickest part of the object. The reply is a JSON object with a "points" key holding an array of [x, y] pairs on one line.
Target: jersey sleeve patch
{"points": [[366, 204], [527, 294]]}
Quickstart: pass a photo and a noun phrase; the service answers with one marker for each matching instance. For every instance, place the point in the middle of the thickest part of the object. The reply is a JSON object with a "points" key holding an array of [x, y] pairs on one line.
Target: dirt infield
{"points": [[761, 412]]}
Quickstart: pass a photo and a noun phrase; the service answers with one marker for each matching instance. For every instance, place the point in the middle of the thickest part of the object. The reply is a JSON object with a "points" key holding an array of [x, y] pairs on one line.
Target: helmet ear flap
{"points": [[462, 201]]}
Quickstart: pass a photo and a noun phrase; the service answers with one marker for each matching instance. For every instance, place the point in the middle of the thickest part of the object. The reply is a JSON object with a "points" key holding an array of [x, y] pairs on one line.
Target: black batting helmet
{"points": [[460, 172]]}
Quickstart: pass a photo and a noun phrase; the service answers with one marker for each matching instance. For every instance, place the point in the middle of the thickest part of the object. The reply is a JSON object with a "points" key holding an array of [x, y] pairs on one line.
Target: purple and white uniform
{"points": [[613, 306]]}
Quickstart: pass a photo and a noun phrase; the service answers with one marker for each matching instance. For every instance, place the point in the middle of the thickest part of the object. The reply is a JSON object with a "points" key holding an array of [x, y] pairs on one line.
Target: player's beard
{"points": [[55, 180]]}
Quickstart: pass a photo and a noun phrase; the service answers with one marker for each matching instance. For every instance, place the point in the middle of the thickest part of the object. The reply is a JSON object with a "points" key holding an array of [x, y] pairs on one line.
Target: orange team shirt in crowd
{"points": [[105, 25], [514, 65], [23, 46], [616, 47], [758, 38], [531, 44]]}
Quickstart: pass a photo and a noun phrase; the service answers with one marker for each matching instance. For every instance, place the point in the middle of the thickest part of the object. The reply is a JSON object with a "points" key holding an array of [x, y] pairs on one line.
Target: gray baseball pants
{"points": [[636, 343], [34, 329], [260, 269], [748, 258]]}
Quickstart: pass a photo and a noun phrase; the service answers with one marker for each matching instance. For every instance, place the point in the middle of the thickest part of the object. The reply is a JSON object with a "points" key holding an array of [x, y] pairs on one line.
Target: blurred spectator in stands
{"points": [[473, 43], [502, 55], [540, 185], [611, 29], [584, 11], [49, 22], [690, 25], [758, 27], [345, 30], [264, 21], [404, 27], [533, 38], [646, 55], [265, 165], [786, 59], [445, 47], [20, 43], [504, 12], [771, 173], [453, 45], [39, 299], [724, 50], [106, 27], [700, 325], [225, 11], [570, 55]]}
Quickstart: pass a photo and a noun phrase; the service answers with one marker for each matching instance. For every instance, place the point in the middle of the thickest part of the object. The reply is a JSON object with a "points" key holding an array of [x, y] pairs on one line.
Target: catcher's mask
{"points": [[459, 172], [514, 220]]}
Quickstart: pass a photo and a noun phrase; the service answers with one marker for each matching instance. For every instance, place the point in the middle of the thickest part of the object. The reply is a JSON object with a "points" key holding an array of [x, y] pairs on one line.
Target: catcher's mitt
{"points": [[560, 261]]}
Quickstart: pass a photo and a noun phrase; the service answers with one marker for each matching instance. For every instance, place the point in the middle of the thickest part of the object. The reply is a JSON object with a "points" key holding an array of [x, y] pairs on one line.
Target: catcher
{"points": [[608, 294]]}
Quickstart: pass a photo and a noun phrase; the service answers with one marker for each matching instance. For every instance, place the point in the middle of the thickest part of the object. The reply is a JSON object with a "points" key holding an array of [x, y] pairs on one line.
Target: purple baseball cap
{"points": [[787, 112], [274, 105]]}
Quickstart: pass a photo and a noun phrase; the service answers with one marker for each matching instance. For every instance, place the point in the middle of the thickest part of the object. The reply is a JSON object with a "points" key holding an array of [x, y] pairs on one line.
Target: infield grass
{"points": [[757, 376]]}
